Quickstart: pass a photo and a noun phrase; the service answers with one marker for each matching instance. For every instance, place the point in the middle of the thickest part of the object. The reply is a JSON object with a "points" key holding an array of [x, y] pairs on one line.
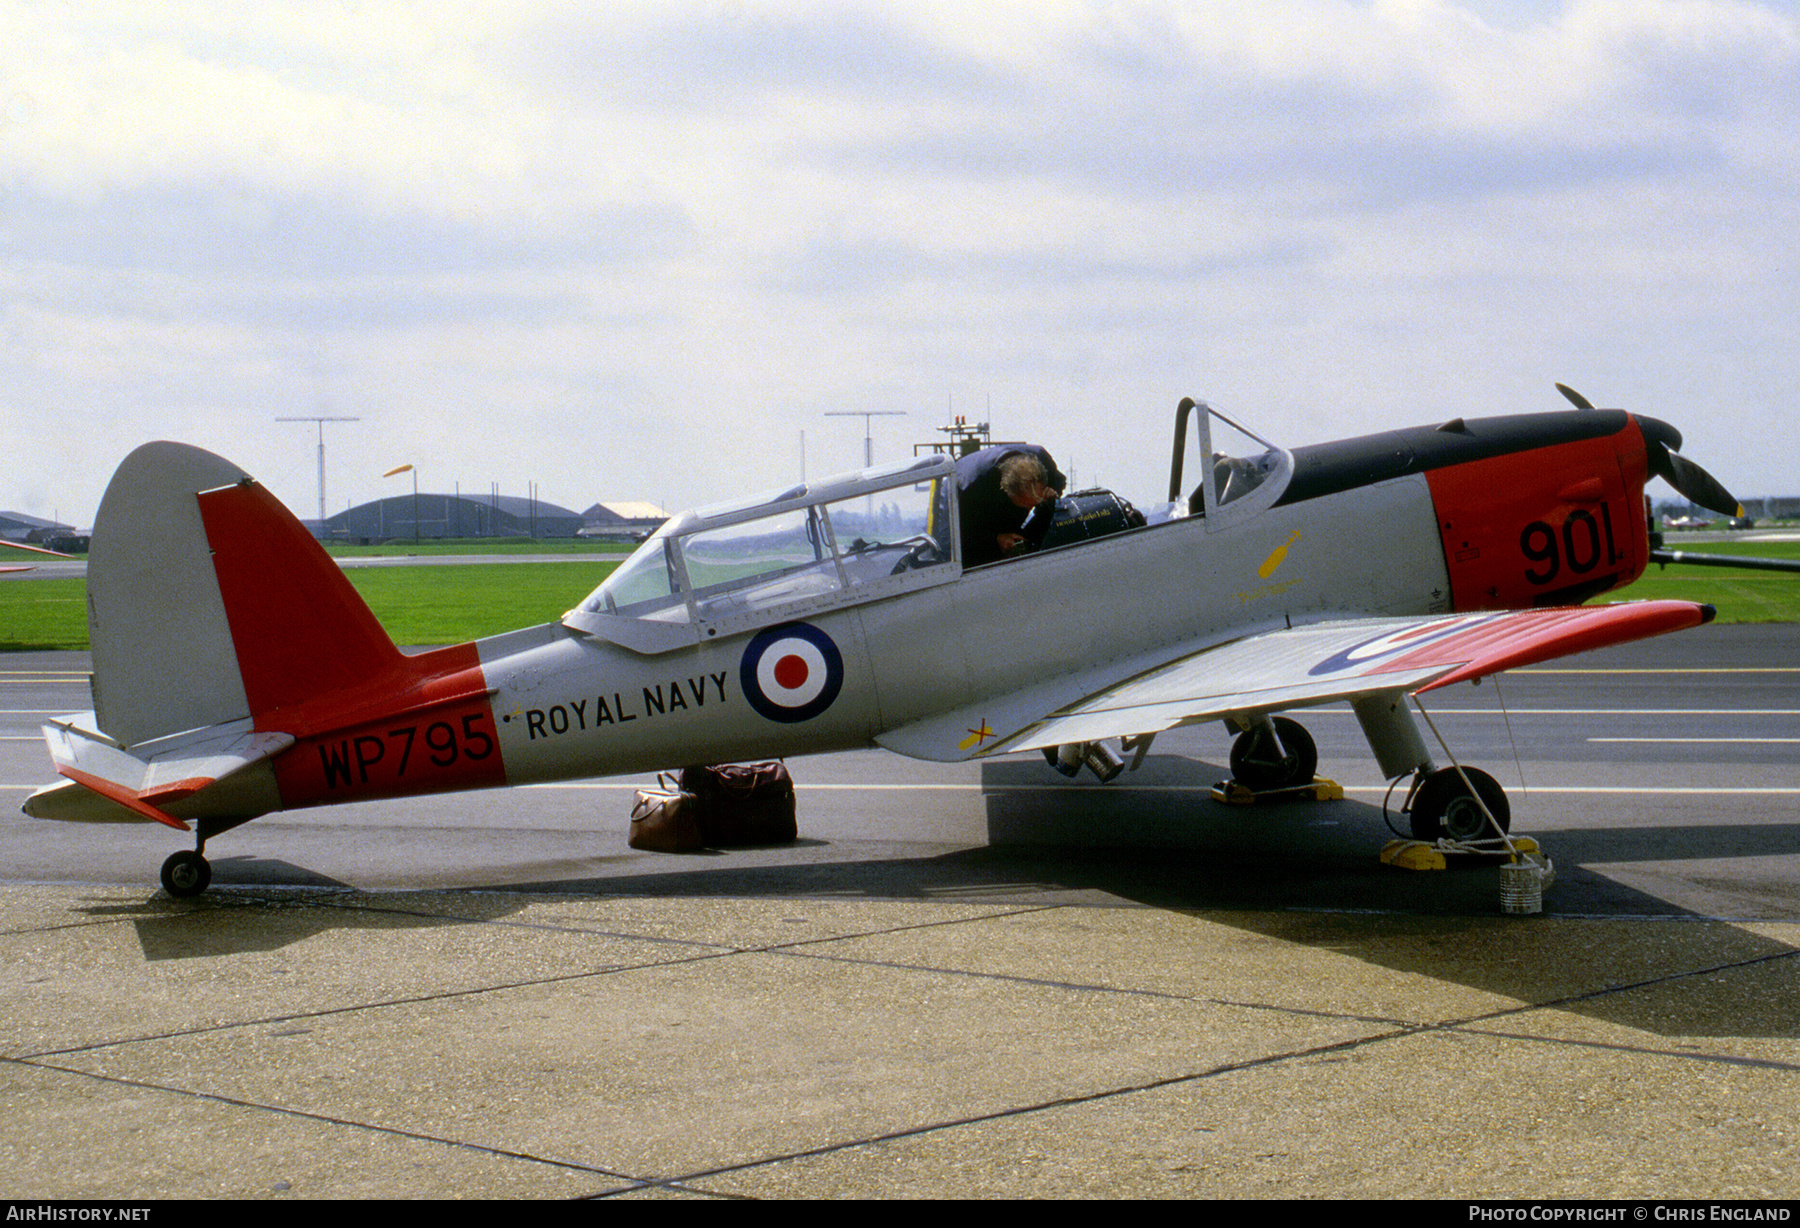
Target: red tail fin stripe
{"points": [[298, 627], [312, 656]]}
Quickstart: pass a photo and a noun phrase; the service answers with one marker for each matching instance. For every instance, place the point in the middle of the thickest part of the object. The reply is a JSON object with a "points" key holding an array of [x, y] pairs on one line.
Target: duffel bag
{"points": [[742, 803], [664, 821]]}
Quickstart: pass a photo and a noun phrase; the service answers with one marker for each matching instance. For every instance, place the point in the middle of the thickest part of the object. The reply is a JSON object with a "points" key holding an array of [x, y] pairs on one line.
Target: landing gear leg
{"points": [[1274, 753], [186, 874], [1388, 725]]}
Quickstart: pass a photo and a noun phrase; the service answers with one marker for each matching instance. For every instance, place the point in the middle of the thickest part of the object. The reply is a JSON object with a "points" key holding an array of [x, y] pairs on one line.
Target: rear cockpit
{"points": [[733, 567]]}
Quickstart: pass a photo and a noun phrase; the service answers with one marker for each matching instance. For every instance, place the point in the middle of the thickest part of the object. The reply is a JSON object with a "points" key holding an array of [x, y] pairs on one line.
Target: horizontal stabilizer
{"points": [[152, 775]]}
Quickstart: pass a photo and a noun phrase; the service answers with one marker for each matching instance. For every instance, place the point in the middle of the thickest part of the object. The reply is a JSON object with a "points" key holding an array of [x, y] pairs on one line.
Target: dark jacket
{"points": [[983, 510]]}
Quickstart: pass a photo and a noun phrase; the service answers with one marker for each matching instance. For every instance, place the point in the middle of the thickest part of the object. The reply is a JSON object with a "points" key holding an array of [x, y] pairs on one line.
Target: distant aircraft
{"points": [[236, 672], [55, 554]]}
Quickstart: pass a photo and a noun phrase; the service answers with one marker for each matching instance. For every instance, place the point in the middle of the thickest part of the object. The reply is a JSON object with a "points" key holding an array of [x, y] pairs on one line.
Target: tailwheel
{"points": [[1258, 763], [186, 874], [1443, 807]]}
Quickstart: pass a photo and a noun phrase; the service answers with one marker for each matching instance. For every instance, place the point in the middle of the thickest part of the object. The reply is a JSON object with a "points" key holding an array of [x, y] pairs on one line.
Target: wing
{"points": [[55, 554], [1285, 667]]}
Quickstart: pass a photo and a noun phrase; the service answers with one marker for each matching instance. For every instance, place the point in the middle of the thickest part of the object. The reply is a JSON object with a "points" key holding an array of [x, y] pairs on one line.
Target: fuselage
{"points": [[1489, 514]]}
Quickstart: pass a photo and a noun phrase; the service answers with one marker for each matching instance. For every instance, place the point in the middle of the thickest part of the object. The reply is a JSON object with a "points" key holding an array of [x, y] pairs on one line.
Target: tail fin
{"points": [[224, 636], [208, 602]]}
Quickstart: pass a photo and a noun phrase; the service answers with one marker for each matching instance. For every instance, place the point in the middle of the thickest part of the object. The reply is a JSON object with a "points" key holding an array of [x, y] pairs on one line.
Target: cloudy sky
{"points": [[640, 250]]}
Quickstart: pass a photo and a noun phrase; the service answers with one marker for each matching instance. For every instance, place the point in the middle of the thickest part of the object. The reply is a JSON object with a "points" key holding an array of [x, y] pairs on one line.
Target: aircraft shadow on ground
{"points": [[1687, 980], [1302, 872]]}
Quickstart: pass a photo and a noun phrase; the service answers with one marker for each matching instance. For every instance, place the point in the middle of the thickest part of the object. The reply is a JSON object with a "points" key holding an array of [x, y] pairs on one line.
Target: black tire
{"points": [[1256, 765], [1444, 807], [186, 874]]}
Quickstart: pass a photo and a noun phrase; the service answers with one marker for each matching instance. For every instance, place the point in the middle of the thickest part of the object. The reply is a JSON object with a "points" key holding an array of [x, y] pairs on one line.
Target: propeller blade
{"points": [[1699, 486], [1575, 398], [1689, 480], [1744, 562]]}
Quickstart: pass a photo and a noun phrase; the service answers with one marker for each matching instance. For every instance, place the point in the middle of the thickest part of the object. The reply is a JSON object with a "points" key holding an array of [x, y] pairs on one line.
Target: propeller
{"points": [[1661, 440], [1692, 482]]}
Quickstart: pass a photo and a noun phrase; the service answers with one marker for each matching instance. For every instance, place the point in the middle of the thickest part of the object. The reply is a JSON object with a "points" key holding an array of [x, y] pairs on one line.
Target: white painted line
{"points": [[1303, 712], [1734, 741]]}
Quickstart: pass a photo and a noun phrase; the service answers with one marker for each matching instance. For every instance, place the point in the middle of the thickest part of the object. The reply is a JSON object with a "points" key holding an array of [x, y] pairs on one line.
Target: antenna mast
{"points": [[321, 419]]}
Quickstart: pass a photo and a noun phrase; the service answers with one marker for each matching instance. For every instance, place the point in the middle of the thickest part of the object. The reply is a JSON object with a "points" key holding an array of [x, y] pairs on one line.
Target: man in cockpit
{"points": [[1006, 496]]}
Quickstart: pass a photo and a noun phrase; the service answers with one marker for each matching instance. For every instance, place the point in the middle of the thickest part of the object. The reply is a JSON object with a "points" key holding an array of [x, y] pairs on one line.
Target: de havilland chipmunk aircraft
{"points": [[236, 672]]}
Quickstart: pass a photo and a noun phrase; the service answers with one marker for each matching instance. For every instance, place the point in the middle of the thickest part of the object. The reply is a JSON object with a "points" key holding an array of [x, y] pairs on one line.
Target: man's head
{"points": [[1023, 480]]}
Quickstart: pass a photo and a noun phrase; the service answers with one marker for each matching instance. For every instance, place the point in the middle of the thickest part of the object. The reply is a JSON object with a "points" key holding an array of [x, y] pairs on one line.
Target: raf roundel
{"points": [[792, 673]]}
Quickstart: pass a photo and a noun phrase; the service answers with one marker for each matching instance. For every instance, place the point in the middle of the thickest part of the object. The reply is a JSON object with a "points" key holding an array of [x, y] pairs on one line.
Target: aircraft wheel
{"points": [[1445, 807], [186, 874], [1256, 765]]}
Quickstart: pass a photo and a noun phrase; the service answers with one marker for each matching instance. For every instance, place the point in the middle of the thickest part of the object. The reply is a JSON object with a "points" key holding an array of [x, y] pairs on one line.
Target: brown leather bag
{"points": [[663, 821], [740, 804]]}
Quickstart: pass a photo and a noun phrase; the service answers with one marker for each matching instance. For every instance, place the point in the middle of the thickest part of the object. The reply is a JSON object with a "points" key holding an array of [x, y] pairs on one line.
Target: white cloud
{"points": [[635, 251]]}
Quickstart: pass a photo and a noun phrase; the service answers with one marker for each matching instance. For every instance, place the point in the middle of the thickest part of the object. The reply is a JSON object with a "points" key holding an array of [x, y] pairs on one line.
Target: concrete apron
{"points": [[285, 1043]]}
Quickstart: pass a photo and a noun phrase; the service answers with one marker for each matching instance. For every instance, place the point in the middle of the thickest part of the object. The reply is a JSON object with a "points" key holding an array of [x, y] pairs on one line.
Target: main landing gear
{"points": [[1443, 806], [1462, 812], [1273, 759], [1276, 753], [1456, 812]]}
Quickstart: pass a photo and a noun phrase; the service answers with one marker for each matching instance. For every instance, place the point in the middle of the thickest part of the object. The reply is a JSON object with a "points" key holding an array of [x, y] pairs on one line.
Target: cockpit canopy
{"points": [[1234, 486], [735, 566], [860, 537]]}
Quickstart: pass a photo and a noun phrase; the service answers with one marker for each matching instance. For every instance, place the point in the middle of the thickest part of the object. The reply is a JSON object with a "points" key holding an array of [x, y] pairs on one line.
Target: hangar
{"points": [[19, 527], [426, 516], [622, 520]]}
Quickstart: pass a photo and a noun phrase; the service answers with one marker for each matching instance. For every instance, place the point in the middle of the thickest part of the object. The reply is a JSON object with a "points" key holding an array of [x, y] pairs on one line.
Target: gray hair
{"points": [[1018, 474]]}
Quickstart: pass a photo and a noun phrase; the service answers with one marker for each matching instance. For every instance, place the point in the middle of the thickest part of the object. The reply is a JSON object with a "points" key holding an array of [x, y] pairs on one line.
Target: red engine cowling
{"points": [[1519, 531]]}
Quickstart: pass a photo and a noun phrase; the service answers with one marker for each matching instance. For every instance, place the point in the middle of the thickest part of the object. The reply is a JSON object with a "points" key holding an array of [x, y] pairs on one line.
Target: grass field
{"points": [[447, 605], [1741, 596], [481, 545], [43, 614], [417, 605]]}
